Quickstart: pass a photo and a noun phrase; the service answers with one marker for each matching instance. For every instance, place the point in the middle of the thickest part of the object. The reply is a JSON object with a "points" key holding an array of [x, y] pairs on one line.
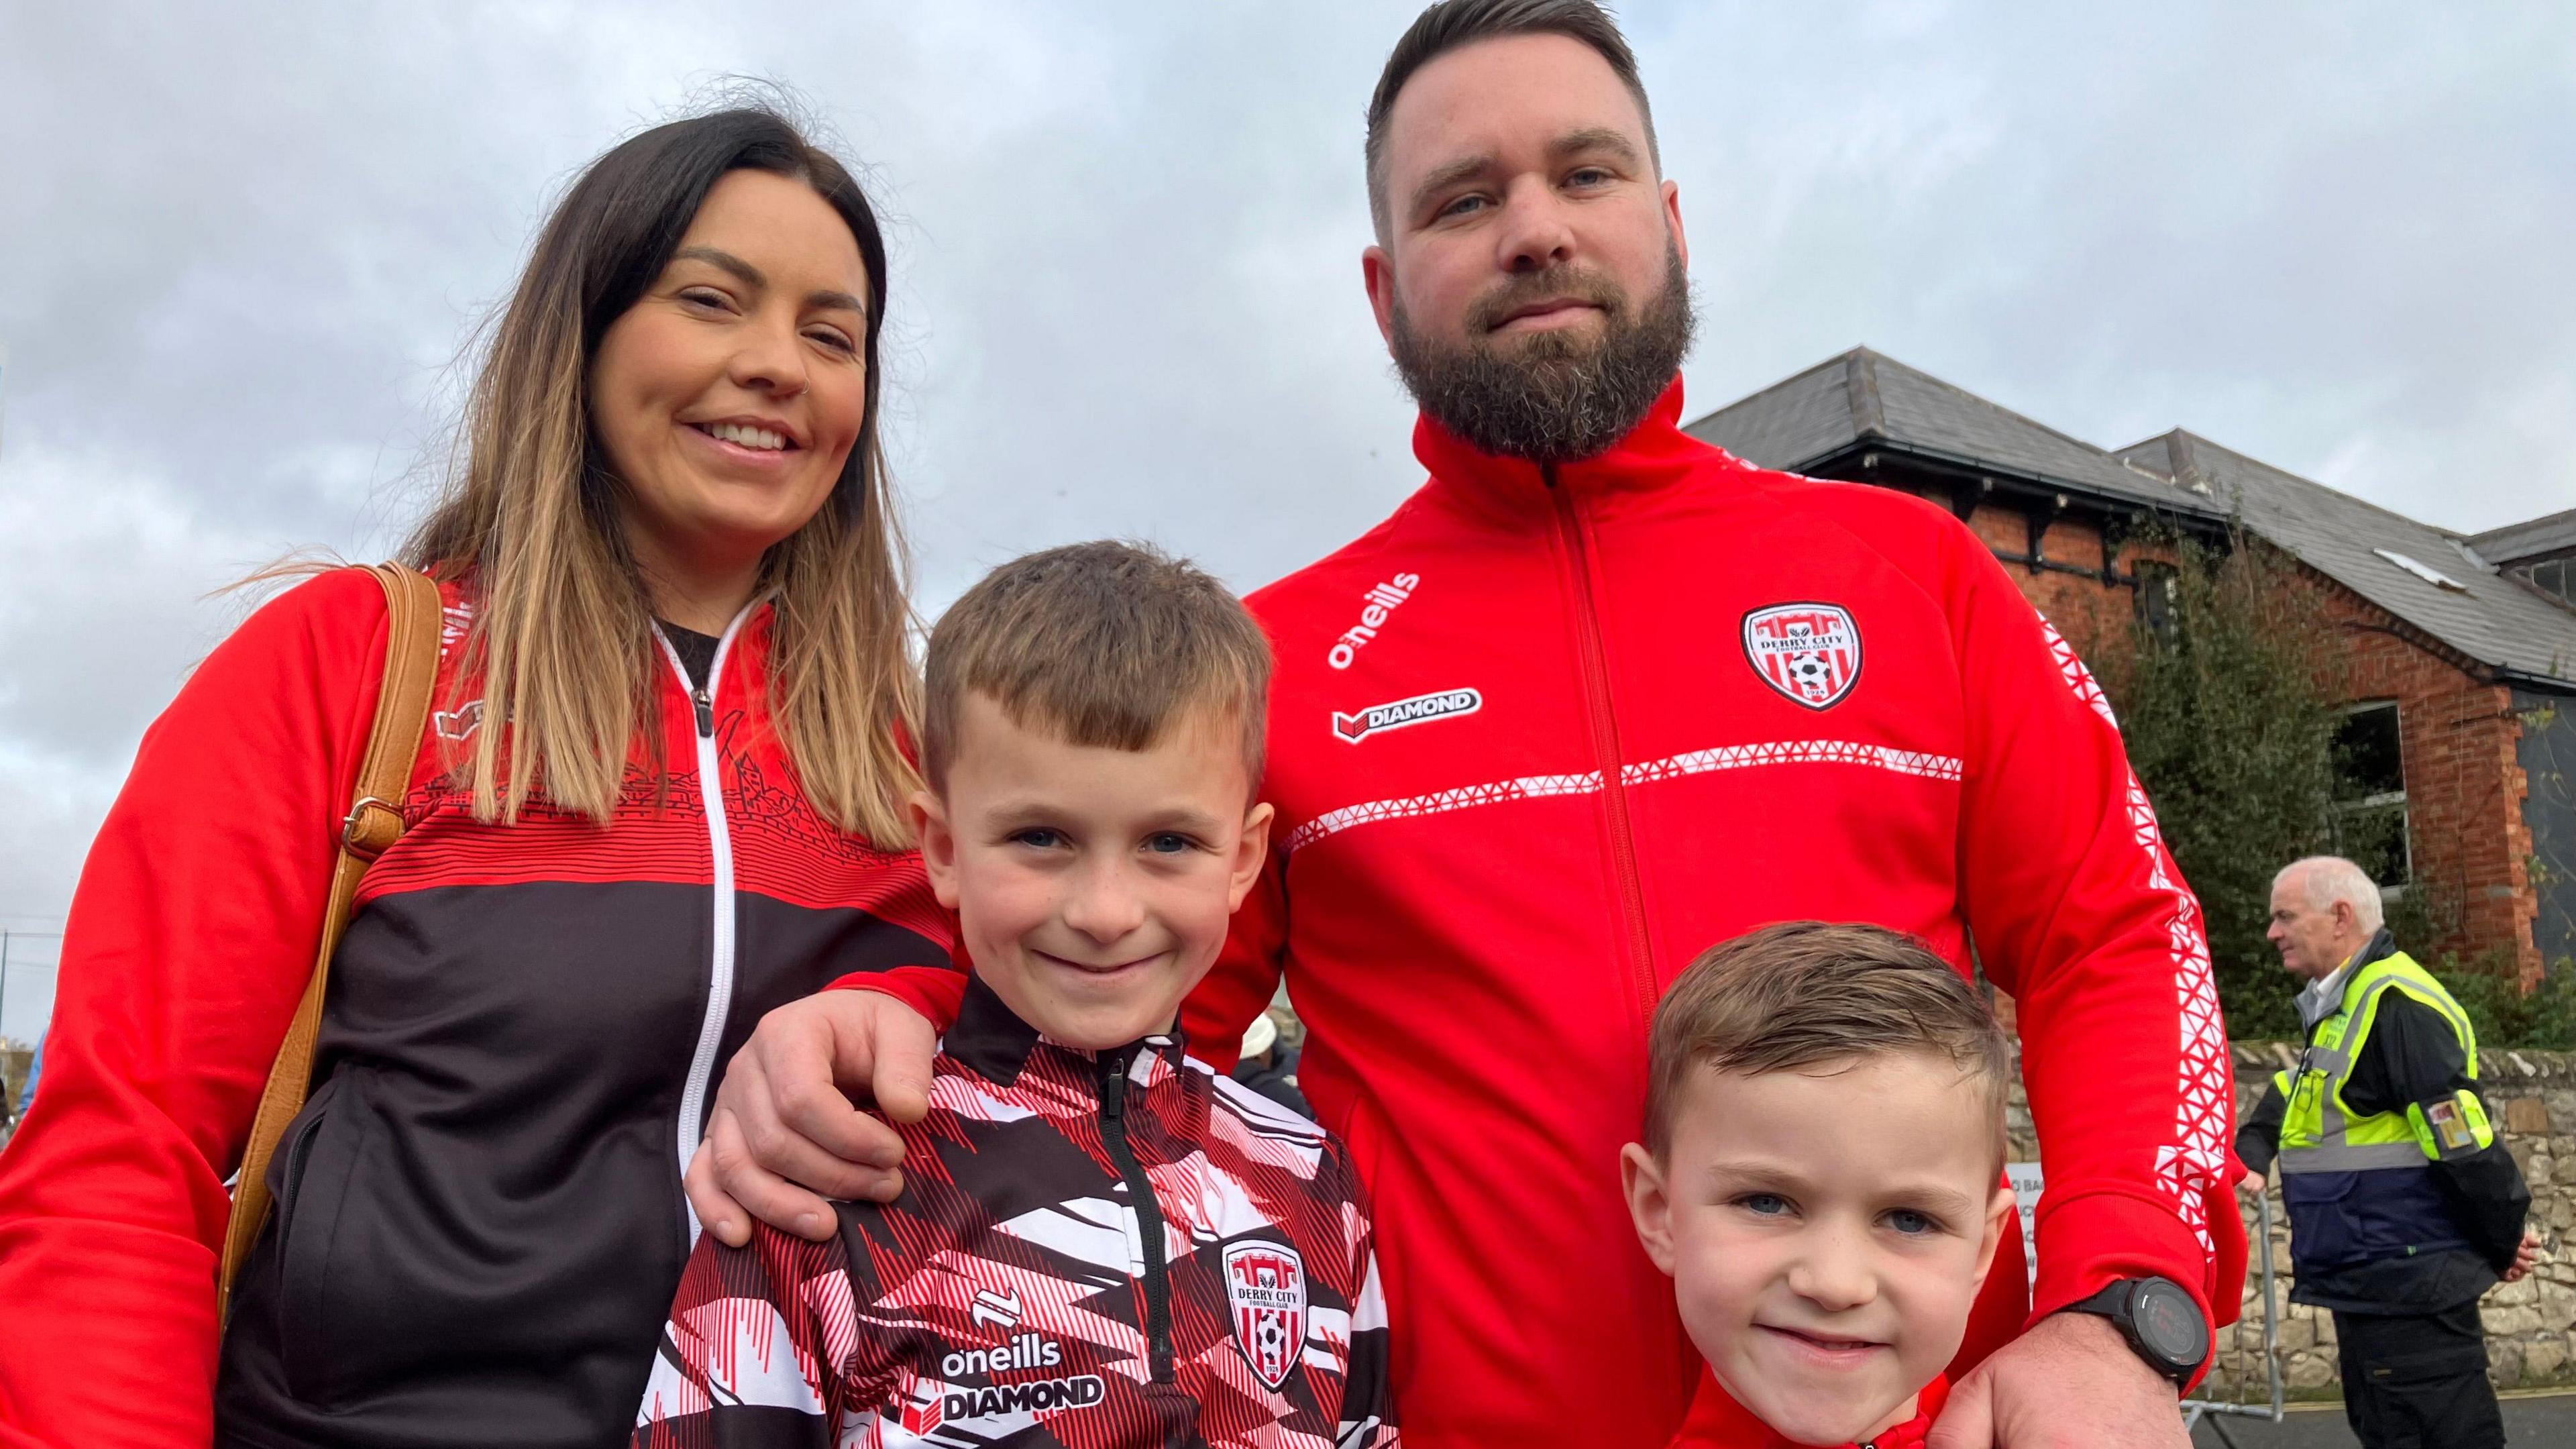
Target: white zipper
{"points": [[702, 1062]]}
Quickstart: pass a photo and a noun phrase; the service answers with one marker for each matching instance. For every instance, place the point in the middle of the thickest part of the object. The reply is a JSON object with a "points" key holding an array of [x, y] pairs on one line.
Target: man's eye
{"points": [[1462, 206], [1588, 176], [1764, 1204]]}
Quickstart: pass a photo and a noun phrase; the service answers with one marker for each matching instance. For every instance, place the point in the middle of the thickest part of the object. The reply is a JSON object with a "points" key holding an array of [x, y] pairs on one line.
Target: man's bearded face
{"points": [[1554, 396]]}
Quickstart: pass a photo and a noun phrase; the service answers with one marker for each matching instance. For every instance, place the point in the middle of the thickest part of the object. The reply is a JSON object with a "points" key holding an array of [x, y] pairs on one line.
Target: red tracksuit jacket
{"points": [[1543, 736]]}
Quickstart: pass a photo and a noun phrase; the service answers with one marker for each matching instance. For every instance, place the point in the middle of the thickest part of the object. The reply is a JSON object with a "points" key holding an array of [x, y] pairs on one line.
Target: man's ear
{"points": [[938, 844], [1673, 219], [1999, 1209], [1251, 848], [1377, 273], [1650, 1206]]}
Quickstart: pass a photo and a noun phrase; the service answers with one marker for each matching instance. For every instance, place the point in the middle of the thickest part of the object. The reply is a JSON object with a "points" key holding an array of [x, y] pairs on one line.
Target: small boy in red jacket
{"points": [[1824, 1144]]}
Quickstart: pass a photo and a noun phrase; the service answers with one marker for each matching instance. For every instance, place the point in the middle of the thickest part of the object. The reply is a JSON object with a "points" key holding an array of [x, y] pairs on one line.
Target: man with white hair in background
{"points": [[2404, 1208]]}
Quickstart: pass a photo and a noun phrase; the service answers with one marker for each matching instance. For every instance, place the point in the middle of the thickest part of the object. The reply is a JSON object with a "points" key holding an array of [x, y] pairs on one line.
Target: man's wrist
{"points": [[2156, 1319]]}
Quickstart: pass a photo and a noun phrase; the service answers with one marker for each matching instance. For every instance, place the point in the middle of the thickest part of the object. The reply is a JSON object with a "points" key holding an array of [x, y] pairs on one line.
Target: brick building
{"points": [[2460, 652]]}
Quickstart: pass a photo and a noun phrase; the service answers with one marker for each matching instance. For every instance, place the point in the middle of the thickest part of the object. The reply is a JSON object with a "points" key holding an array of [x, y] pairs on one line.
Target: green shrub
{"points": [[2504, 1016]]}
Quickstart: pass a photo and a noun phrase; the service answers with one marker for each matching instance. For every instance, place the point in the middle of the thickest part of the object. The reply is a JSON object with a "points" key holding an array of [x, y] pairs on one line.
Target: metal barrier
{"points": [[2193, 1410]]}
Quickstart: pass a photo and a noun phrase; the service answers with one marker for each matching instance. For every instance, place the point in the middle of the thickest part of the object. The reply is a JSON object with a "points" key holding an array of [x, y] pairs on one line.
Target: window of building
{"points": [[2370, 794], [2552, 577], [2159, 597]]}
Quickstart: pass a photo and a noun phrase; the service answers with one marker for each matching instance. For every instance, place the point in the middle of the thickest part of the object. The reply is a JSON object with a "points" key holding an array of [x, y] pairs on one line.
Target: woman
{"points": [[683, 824]]}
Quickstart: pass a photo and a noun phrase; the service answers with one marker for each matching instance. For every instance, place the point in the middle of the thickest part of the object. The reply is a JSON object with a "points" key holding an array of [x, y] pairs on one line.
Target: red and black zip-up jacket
{"points": [[1109, 1250], [478, 1220], [1546, 734]]}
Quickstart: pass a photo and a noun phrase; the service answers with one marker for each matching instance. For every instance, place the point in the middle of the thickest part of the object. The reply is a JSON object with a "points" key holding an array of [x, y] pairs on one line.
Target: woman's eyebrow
{"points": [[749, 275]]}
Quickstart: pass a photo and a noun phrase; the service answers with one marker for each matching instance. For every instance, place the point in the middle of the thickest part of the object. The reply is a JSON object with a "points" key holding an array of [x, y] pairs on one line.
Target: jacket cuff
{"points": [[2089, 1243], [934, 991]]}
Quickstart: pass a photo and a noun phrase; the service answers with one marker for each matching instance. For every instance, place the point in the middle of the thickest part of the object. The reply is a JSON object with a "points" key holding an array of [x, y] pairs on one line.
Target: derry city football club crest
{"points": [[1809, 652], [1266, 1284]]}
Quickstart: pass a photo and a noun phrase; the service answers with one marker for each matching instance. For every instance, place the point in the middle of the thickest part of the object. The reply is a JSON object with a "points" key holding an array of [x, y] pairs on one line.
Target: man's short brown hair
{"points": [[1106, 644], [1806, 996], [1454, 24]]}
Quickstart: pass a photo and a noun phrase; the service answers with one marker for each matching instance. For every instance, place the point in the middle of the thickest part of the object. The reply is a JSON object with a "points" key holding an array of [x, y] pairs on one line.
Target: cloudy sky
{"points": [[243, 248]]}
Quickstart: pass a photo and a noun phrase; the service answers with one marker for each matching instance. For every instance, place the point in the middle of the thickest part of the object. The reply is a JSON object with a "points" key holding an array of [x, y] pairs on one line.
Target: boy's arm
{"points": [[754, 1352], [1368, 1401], [1367, 1419]]}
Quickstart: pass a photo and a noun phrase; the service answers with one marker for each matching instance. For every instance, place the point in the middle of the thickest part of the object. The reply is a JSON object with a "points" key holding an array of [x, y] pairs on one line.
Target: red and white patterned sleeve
{"points": [[753, 1352]]}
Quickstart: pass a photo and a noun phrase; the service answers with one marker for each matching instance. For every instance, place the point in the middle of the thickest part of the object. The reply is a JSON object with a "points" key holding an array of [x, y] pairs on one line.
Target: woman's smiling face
{"points": [[729, 396]]}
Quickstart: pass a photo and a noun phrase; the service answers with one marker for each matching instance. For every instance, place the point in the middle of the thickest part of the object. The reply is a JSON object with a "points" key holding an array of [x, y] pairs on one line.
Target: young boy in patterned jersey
{"points": [[1824, 1141], [1098, 1242]]}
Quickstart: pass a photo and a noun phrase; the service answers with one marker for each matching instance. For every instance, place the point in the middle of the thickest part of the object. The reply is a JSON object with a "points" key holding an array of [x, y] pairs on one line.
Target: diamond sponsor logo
{"points": [[1421, 709]]}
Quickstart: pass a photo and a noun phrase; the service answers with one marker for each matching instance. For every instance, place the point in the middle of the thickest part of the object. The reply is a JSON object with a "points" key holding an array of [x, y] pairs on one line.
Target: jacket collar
{"points": [[992, 1041], [1655, 453], [2324, 996]]}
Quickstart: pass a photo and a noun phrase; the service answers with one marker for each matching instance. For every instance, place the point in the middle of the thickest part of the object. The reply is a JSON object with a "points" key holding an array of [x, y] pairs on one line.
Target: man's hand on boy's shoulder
{"points": [[2069, 1382], [784, 1134]]}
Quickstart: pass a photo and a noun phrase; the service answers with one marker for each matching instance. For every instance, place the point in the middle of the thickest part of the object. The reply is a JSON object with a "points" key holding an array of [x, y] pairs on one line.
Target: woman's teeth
{"points": [[747, 437]]}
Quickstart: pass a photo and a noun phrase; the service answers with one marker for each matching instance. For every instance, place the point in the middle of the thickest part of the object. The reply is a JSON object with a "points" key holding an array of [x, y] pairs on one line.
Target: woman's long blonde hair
{"points": [[561, 641]]}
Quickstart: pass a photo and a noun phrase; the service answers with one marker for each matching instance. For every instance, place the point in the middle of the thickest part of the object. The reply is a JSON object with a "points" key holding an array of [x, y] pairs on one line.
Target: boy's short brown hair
{"points": [[1106, 643], [1806, 995]]}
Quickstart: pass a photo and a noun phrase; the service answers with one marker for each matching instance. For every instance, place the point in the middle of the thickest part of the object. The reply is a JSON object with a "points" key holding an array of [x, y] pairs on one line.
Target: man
{"points": [[2404, 1207], [1593, 699]]}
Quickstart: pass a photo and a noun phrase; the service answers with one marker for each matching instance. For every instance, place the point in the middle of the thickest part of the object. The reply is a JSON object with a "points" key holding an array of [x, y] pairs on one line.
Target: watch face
{"points": [[2169, 1323]]}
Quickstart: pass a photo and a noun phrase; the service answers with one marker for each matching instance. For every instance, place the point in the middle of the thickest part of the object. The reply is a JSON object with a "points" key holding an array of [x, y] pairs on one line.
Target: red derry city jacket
{"points": [[1546, 734], [478, 1222]]}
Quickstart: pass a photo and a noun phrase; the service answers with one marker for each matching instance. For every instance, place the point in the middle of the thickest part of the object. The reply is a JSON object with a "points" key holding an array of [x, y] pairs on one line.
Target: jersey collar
{"points": [[992, 1041]]}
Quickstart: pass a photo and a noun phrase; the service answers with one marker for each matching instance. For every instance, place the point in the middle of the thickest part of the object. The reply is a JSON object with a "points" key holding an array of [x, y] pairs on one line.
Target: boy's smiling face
{"points": [[1092, 885], [1826, 1233]]}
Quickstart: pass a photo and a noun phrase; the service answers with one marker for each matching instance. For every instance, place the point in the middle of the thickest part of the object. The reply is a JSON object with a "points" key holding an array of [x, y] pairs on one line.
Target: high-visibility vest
{"points": [[2361, 1188]]}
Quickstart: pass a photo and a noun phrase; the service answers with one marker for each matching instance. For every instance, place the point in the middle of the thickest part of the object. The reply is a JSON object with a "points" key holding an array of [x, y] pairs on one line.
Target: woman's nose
{"points": [[771, 359]]}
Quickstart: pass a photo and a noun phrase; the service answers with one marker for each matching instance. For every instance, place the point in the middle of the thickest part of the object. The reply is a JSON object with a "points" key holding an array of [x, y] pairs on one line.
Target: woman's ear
{"points": [[1650, 1207], [938, 844], [1999, 1210]]}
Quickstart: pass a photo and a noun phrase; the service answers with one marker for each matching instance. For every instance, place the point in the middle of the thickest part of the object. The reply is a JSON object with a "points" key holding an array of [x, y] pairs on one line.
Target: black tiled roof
{"points": [[2553, 533], [1863, 394], [2495, 620]]}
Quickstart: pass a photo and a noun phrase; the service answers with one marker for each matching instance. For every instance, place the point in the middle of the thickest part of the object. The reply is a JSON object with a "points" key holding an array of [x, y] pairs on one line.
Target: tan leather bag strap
{"points": [[374, 821]]}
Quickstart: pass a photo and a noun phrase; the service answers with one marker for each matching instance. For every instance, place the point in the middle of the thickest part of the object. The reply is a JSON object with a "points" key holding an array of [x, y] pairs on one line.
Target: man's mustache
{"points": [[1557, 283]]}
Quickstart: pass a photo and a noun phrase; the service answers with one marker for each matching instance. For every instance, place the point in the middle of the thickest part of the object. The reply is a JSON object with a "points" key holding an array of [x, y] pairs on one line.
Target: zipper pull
{"points": [[1113, 1087], [706, 712]]}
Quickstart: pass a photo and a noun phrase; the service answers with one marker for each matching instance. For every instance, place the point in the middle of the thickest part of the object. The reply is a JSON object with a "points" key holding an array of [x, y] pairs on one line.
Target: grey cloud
{"points": [[240, 248]]}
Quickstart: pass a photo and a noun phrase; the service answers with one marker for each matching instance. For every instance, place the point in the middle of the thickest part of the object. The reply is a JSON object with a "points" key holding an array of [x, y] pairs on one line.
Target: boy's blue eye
{"points": [[1765, 1204], [1911, 1223], [1039, 837], [1168, 842]]}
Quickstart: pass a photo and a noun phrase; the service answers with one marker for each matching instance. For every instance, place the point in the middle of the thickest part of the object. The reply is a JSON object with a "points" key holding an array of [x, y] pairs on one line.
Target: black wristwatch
{"points": [[2160, 1321]]}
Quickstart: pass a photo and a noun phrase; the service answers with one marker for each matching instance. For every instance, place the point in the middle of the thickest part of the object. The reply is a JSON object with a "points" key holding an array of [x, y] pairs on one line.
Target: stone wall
{"points": [[2531, 1325]]}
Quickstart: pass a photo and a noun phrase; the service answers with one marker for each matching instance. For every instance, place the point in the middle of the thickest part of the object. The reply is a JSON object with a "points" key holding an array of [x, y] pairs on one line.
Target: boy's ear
{"points": [[1650, 1207], [1999, 1210], [1250, 849], [938, 844]]}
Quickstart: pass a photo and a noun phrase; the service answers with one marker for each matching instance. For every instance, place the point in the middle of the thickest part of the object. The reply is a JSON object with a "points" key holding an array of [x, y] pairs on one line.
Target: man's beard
{"points": [[1553, 397]]}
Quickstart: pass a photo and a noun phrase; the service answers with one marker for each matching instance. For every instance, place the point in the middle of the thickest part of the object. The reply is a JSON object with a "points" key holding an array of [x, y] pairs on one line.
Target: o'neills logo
{"points": [[1382, 601], [1077, 1392], [1421, 709]]}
